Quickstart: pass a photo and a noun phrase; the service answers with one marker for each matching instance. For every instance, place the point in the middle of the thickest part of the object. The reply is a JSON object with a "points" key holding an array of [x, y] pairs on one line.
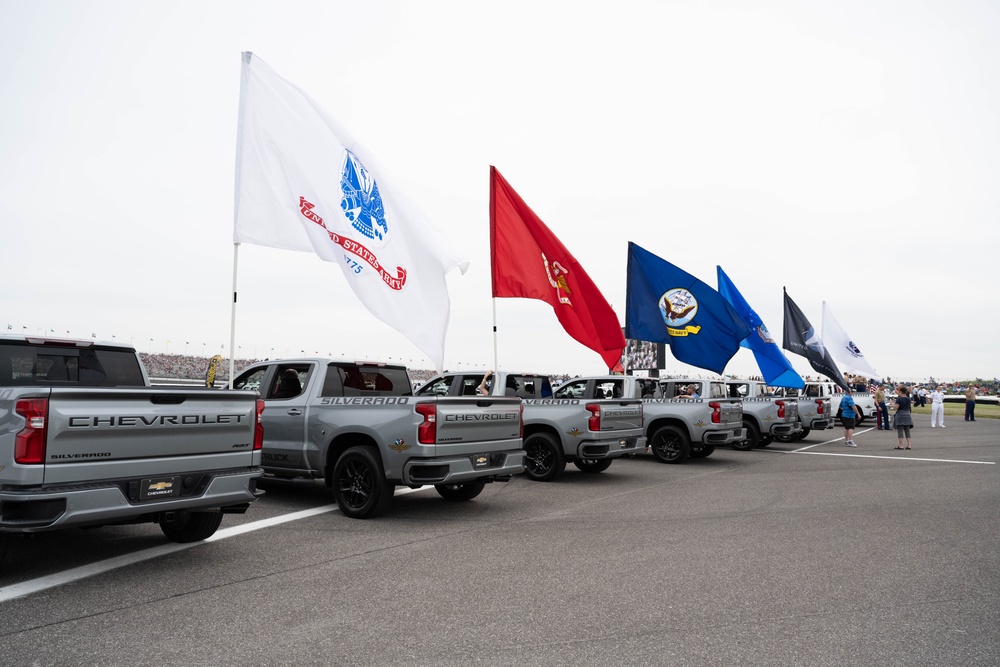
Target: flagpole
{"points": [[232, 318], [496, 365]]}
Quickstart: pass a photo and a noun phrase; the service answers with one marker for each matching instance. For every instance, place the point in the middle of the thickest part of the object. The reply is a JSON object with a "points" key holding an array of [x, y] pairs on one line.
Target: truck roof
{"points": [[74, 342]]}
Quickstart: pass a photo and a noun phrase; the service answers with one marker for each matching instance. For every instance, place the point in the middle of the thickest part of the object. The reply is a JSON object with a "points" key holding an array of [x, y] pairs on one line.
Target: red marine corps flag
{"points": [[530, 262]]}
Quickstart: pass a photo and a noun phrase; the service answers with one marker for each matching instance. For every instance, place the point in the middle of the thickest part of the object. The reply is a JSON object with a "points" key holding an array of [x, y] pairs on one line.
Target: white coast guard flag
{"points": [[843, 349], [302, 183]]}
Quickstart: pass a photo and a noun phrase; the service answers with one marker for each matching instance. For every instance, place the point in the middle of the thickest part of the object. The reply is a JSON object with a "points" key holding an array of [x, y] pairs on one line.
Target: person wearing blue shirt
{"points": [[848, 414]]}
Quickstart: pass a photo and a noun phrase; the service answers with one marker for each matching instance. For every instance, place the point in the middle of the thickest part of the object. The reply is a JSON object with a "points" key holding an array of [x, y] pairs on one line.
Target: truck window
{"points": [[288, 381], [739, 390], [345, 379], [441, 387], [574, 389], [24, 363], [251, 381]]}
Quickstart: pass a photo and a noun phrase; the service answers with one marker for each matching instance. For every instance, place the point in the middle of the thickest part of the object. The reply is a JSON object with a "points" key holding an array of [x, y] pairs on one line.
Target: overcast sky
{"points": [[848, 151]]}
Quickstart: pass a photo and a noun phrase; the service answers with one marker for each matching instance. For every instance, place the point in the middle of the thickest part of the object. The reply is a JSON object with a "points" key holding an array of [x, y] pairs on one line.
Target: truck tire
{"points": [[461, 492], [753, 437], [593, 465], [4, 541], [765, 440], [793, 437], [670, 444], [544, 459], [187, 526], [702, 452], [359, 484]]}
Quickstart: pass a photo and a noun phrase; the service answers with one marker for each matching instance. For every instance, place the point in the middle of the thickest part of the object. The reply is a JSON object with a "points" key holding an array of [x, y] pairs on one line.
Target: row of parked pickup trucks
{"points": [[86, 441]]}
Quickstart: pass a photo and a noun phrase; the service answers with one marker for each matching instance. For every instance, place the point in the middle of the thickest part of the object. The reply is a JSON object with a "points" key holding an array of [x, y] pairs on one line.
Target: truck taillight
{"points": [[521, 434], [594, 423], [819, 406], [716, 412], [258, 427], [427, 431], [29, 444], [781, 409]]}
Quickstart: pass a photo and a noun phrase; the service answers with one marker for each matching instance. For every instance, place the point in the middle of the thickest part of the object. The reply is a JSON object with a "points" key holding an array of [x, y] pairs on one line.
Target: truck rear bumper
{"points": [[786, 429], [821, 424], [458, 469], [611, 448], [107, 503], [724, 437]]}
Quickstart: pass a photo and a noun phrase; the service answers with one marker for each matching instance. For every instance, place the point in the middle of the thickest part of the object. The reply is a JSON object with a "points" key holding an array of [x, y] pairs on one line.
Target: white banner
{"points": [[302, 183]]}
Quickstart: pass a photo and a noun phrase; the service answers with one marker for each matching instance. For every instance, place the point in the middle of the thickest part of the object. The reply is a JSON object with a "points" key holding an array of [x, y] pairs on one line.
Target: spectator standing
{"points": [[970, 404], [937, 407], [922, 397], [903, 418], [883, 412], [848, 413]]}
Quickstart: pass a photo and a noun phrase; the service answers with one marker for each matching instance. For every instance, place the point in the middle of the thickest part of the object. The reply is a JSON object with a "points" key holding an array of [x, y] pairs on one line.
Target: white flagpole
{"points": [[496, 364], [232, 319]]}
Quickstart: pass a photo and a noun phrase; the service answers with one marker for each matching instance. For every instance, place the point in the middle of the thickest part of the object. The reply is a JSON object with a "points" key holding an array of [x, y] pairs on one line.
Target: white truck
{"points": [[833, 391], [358, 427], [588, 429], [674, 428], [85, 442]]}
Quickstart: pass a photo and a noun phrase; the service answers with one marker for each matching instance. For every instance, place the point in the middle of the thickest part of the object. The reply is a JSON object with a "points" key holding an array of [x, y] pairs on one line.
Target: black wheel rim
{"points": [[356, 483], [667, 445], [538, 458]]}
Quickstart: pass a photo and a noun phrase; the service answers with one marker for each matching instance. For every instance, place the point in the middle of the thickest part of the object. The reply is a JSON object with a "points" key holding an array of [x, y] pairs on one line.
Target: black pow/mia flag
{"points": [[801, 338]]}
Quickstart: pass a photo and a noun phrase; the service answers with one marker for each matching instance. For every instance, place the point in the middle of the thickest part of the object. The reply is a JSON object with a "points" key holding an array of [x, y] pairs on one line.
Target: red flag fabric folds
{"points": [[531, 263]]}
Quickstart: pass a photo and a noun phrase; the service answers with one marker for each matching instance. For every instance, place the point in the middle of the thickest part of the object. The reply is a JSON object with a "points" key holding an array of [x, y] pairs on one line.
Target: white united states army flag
{"points": [[302, 183]]}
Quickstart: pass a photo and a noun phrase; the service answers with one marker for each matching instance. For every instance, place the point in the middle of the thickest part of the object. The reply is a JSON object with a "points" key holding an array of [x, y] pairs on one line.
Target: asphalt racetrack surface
{"points": [[823, 556]]}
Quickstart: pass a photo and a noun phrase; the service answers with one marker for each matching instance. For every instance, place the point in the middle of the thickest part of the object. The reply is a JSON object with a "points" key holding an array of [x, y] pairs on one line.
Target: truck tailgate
{"points": [[470, 425], [730, 411], [114, 433], [620, 415]]}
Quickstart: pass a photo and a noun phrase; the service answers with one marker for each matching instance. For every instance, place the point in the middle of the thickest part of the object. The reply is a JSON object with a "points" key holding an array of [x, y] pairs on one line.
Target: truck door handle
{"points": [[294, 412]]}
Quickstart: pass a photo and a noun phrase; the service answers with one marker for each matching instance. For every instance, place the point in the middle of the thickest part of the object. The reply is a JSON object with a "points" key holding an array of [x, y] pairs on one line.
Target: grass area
{"points": [[952, 410]]}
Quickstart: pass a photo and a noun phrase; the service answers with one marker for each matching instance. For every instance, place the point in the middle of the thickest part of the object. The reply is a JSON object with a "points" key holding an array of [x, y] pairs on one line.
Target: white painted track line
{"points": [[75, 574], [851, 454]]}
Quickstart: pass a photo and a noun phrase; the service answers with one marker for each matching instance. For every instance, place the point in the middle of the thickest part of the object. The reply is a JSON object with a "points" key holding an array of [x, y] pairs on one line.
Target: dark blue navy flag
{"points": [[774, 366], [801, 338], [664, 304]]}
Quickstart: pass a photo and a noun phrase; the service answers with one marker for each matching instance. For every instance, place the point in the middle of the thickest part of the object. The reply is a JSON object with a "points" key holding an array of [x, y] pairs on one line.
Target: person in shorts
{"points": [[848, 414]]}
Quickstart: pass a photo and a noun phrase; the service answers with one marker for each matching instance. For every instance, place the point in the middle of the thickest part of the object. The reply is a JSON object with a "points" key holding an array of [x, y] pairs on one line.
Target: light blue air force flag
{"points": [[774, 366], [664, 304]]}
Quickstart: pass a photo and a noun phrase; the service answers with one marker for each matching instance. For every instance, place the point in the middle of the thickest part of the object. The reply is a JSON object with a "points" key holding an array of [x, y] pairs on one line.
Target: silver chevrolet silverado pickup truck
{"points": [[765, 416], [675, 429], [589, 431], [358, 427], [84, 441]]}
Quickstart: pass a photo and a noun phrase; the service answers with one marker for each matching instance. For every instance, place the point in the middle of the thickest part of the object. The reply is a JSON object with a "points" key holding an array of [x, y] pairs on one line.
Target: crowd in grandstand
{"points": [[186, 367]]}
